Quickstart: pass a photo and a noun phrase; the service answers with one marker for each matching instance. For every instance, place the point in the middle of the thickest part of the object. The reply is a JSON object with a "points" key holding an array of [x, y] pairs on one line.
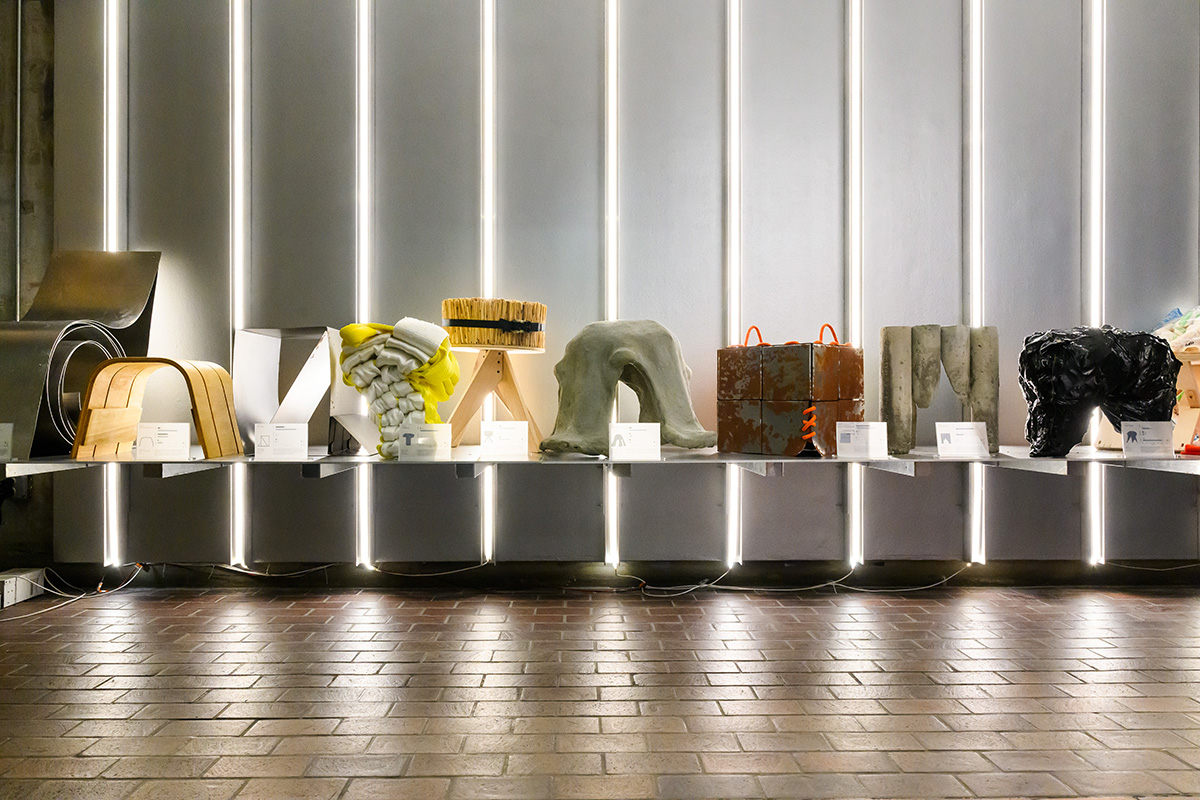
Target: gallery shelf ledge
{"points": [[469, 462]]}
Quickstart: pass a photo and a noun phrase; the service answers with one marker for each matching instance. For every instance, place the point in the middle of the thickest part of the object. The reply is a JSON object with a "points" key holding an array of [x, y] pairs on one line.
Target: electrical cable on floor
{"points": [[945, 580], [308, 571], [678, 591], [644, 587], [46, 587], [1152, 569], [70, 586], [268, 573], [100, 590], [786, 589], [673, 591], [433, 574], [44, 610], [213, 568]]}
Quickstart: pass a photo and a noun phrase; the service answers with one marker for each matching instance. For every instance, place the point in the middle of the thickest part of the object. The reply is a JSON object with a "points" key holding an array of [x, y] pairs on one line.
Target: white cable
{"points": [[101, 591]]}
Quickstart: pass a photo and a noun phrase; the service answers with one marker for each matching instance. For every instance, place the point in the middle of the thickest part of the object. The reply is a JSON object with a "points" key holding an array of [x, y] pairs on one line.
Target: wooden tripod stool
{"points": [[493, 373]]}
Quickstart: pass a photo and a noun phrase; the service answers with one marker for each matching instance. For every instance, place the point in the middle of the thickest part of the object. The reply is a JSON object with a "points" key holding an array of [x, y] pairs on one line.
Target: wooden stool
{"points": [[493, 373], [112, 407]]}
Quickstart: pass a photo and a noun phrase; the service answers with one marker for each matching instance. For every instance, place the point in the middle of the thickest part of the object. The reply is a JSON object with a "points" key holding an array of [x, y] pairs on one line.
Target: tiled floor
{"points": [[264, 694]]}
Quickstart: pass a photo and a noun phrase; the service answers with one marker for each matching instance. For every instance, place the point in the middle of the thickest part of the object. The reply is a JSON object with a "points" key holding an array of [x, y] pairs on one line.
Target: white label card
{"points": [[281, 441], [423, 441], [862, 440], [962, 440], [6, 441], [163, 441], [634, 441], [1148, 439], [503, 438]]}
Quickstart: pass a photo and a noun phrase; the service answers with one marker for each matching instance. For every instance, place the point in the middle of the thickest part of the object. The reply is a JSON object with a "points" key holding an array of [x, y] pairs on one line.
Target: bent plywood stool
{"points": [[112, 407]]}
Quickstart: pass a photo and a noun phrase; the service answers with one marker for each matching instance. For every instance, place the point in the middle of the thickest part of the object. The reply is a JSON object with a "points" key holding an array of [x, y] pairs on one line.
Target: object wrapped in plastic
{"points": [[1065, 374], [404, 371]]}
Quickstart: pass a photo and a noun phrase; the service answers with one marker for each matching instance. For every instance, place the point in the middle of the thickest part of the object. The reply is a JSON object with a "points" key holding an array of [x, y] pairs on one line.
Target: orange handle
{"points": [[761, 343], [832, 333], [754, 328]]}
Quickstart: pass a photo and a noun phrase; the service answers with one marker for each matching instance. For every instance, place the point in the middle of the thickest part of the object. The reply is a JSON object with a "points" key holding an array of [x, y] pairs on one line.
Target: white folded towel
{"points": [[377, 368], [418, 337]]}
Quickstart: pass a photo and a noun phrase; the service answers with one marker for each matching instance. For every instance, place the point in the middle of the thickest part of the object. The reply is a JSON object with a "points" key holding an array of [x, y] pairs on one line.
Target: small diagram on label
{"points": [[845, 438], [945, 438], [1131, 436], [264, 440], [487, 438], [617, 441], [408, 437], [146, 442]]}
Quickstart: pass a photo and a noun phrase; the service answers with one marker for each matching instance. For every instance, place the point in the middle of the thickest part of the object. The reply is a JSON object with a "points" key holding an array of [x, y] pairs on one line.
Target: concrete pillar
{"points": [[984, 399], [895, 387], [926, 363], [956, 358]]}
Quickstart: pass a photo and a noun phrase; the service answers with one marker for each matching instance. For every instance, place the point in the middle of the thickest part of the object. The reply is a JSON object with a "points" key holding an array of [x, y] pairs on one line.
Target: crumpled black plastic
{"points": [[1065, 374]]}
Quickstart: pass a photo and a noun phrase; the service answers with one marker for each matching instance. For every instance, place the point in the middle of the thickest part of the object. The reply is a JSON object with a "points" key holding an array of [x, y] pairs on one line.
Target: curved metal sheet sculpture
{"points": [[91, 306], [113, 407]]}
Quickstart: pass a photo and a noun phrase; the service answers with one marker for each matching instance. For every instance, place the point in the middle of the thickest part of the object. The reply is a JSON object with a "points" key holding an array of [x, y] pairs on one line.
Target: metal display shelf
{"points": [[469, 462]]}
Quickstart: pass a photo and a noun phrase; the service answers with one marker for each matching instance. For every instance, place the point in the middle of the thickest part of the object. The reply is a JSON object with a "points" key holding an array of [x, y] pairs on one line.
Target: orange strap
{"points": [[761, 343], [811, 422]]}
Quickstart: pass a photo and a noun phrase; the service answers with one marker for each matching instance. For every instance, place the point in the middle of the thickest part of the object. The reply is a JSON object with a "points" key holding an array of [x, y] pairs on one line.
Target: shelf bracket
{"points": [[325, 469], [901, 466], [764, 469], [469, 469], [172, 470]]}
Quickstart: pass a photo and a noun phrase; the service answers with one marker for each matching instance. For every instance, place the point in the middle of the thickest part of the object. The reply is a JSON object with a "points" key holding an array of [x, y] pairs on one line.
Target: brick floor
{"points": [[371, 694]]}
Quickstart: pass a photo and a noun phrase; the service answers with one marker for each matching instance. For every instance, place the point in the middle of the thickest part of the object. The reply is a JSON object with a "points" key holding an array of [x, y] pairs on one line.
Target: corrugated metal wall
{"points": [[671, 266]]}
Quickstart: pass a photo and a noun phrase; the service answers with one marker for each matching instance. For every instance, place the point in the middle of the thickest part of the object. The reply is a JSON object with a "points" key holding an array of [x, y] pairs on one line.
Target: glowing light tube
{"points": [[854, 260]]}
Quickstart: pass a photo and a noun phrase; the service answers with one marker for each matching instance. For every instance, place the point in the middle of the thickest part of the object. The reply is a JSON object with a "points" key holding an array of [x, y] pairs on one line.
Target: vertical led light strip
{"points": [[487, 259], [112, 236], [976, 485], [364, 142], [238, 214], [854, 247], [612, 243], [1096, 159], [1096, 221], [733, 249], [237, 163], [112, 124]]}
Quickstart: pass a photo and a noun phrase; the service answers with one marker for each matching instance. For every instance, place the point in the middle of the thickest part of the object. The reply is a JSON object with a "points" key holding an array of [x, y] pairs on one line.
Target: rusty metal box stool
{"points": [[785, 400]]}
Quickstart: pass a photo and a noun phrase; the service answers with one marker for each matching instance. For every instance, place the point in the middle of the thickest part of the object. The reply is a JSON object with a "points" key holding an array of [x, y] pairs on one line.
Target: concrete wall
{"points": [[673, 206], [26, 61]]}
